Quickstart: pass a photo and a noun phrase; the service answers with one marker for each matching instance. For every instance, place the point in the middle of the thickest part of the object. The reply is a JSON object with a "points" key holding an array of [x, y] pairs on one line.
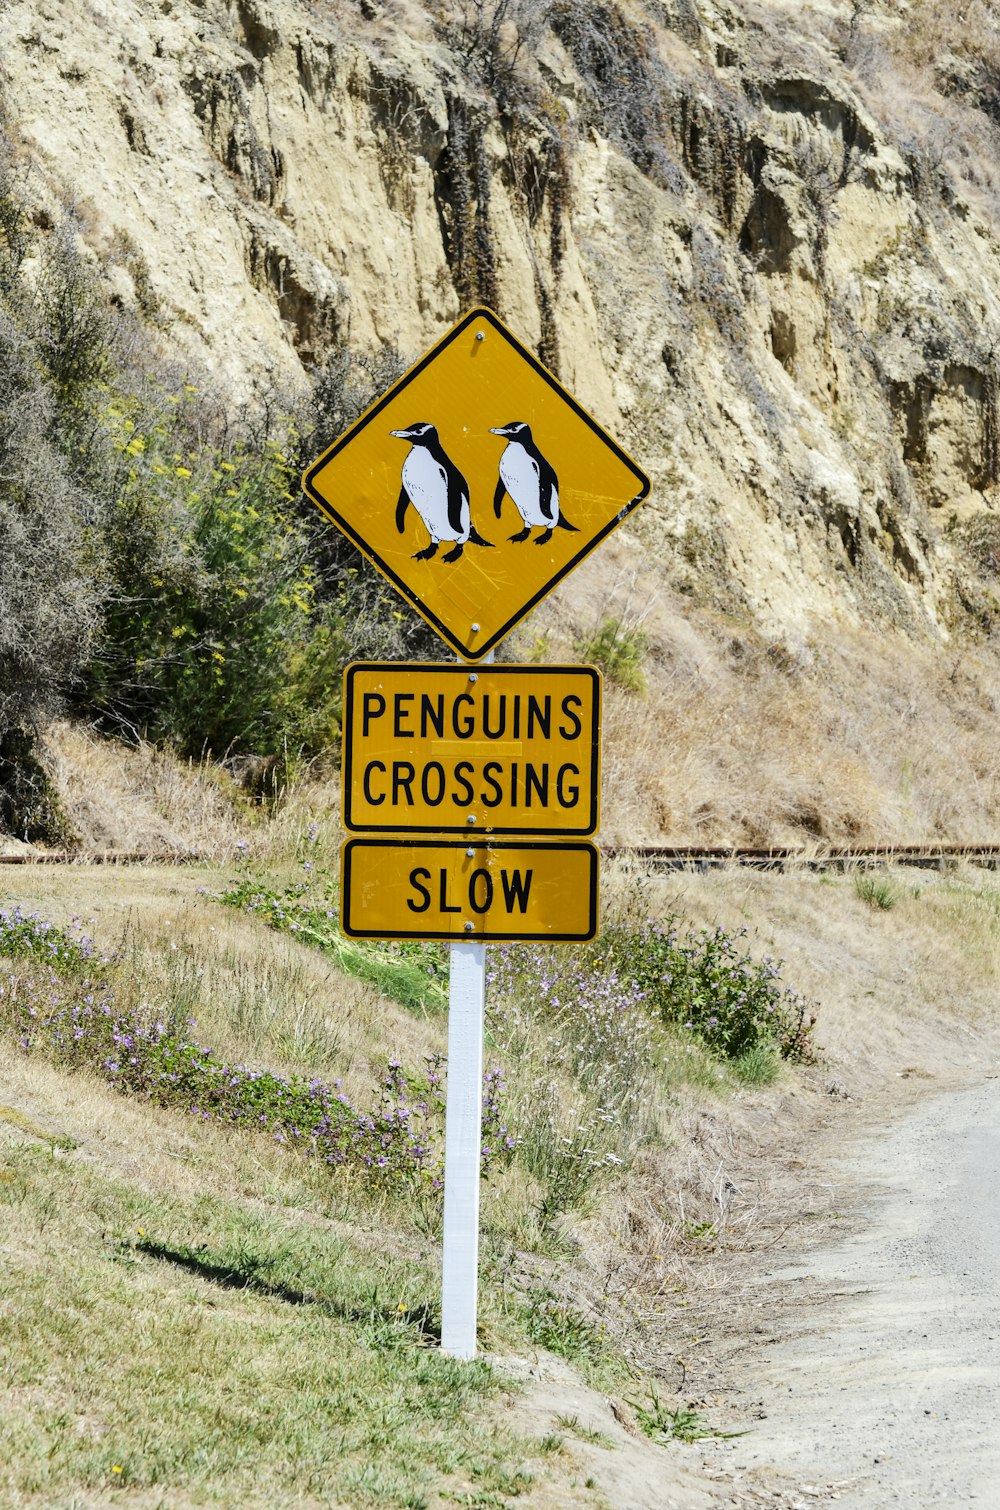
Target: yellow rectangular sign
{"points": [[448, 889], [450, 749]]}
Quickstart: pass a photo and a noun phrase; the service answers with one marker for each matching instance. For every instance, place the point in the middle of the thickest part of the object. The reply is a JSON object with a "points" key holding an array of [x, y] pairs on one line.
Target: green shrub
{"points": [[707, 983], [618, 649], [212, 638]]}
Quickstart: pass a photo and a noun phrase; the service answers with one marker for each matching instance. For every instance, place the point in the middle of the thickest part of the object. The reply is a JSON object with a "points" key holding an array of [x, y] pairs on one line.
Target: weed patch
{"points": [[681, 1424], [554, 1324], [878, 891], [29, 936], [707, 983], [580, 1045]]}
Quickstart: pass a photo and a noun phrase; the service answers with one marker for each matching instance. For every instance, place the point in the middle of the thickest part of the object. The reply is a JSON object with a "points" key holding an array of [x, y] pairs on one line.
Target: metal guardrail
{"points": [[101, 857], [660, 856], [831, 857]]}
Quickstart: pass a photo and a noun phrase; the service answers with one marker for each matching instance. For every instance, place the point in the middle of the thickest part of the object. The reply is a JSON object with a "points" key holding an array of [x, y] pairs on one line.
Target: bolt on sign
{"points": [[475, 484], [459, 891], [443, 749]]}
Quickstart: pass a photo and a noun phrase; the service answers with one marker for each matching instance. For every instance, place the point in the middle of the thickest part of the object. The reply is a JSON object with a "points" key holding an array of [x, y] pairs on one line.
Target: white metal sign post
{"points": [[463, 1136]]}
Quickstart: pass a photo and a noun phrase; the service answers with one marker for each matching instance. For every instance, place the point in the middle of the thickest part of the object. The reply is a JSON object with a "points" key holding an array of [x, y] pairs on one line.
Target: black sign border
{"points": [[468, 652], [455, 669], [475, 937]]}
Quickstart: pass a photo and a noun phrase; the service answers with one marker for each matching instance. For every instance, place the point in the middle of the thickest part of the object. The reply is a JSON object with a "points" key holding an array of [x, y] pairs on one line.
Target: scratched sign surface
{"points": [[475, 484]]}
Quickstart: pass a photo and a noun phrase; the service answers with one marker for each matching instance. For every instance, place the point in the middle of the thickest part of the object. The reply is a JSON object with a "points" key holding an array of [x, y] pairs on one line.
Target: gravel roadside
{"points": [[879, 1384]]}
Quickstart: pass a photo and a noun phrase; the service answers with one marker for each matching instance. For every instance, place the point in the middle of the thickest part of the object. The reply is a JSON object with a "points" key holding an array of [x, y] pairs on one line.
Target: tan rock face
{"points": [[731, 261]]}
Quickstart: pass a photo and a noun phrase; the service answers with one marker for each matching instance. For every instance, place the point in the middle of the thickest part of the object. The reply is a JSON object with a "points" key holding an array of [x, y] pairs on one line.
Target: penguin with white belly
{"points": [[438, 492], [530, 481]]}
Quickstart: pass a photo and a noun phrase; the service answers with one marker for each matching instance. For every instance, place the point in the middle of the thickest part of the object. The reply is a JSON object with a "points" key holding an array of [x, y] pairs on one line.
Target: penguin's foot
{"points": [[454, 555], [546, 535], [521, 534], [425, 555]]}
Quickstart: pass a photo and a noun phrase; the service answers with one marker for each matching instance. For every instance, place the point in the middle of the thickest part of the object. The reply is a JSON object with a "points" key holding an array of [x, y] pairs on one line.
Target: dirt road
{"points": [[880, 1384]]}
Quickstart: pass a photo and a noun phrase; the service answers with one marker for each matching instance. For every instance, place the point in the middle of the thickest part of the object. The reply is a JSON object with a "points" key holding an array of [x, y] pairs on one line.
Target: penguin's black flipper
{"points": [[401, 509], [458, 495], [498, 497], [548, 489], [564, 524], [476, 538]]}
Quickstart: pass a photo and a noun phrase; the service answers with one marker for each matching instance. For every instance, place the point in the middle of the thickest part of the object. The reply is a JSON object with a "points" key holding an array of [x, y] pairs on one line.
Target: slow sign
{"points": [[449, 889], [445, 749]]}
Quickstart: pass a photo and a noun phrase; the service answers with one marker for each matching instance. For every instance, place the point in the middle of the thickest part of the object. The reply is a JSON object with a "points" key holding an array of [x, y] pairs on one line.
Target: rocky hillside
{"points": [[761, 242], [729, 228]]}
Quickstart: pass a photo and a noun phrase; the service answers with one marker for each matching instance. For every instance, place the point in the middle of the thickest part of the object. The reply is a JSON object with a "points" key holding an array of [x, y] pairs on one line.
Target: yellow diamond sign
{"points": [[475, 484]]}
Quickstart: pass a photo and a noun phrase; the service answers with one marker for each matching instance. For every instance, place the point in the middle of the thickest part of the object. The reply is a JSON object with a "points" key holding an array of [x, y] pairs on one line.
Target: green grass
{"points": [[879, 892], [223, 1352], [412, 973], [759, 1065], [576, 1428]]}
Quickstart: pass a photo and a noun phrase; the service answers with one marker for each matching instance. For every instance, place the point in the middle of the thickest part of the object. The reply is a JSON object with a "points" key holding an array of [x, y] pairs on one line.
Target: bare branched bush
{"points": [[493, 40], [49, 596], [619, 61], [979, 539]]}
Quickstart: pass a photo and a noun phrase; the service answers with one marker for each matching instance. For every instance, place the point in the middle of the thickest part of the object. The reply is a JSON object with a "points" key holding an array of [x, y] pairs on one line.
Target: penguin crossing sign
{"points": [[504, 486]]}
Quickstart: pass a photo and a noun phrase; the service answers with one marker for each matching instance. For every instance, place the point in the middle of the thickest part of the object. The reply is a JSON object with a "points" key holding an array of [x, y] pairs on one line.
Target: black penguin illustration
{"points": [[530, 481], [438, 492]]}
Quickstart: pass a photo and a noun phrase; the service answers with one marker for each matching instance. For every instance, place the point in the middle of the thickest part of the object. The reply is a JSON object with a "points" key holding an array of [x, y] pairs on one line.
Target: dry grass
{"points": [[836, 733], [843, 735], [119, 796], [646, 1263]]}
